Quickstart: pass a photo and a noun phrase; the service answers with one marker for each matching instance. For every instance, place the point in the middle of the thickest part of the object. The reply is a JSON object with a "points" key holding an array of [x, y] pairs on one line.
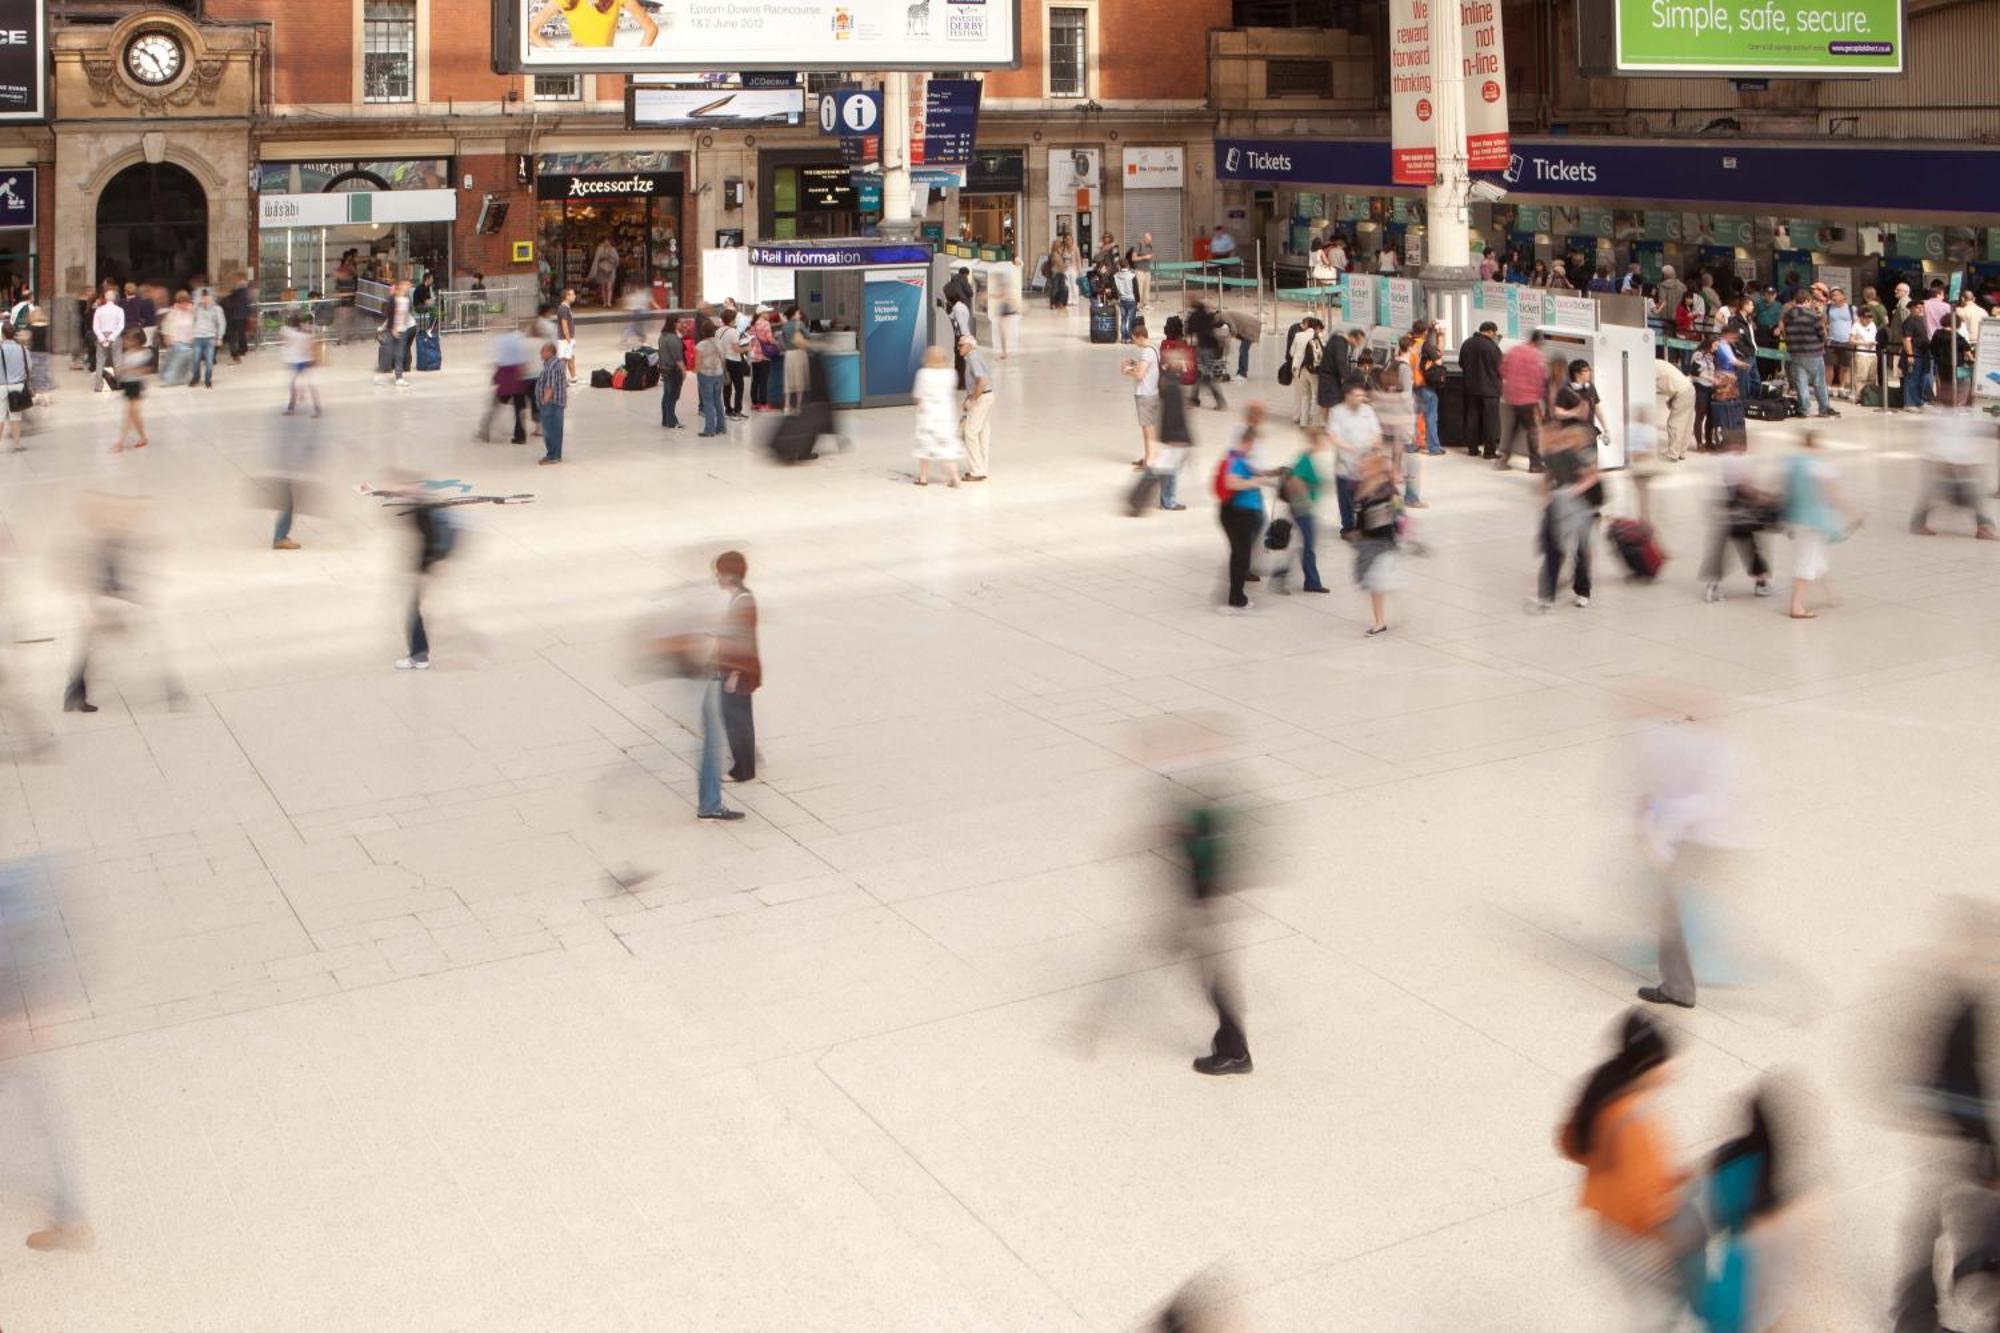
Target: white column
{"points": [[1448, 272], [896, 220]]}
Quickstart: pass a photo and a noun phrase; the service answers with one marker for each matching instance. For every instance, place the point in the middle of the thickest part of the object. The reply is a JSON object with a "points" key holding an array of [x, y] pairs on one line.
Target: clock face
{"points": [[154, 58]]}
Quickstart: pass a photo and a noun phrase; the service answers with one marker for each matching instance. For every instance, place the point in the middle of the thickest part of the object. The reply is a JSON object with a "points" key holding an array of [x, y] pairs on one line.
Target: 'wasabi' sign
{"points": [[1751, 37]]}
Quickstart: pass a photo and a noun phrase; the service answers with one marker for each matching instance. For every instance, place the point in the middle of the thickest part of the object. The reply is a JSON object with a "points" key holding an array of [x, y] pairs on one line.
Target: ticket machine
{"points": [[1621, 367]]}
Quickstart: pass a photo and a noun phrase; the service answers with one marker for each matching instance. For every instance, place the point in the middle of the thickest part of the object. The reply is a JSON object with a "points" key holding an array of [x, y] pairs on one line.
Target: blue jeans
{"points": [[1427, 408], [708, 388], [1307, 537], [670, 396], [1242, 358], [1410, 470], [1916, 380], [552, 429], [1810, 372], [404, 342], [284, 527], [1343, 491], [1127, 312], [420, 642], [204, 361], [709, 785]]}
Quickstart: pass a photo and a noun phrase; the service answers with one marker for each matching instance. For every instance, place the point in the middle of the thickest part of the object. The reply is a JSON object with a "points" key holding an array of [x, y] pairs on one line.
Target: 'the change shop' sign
{"points": [[1752, 37]]}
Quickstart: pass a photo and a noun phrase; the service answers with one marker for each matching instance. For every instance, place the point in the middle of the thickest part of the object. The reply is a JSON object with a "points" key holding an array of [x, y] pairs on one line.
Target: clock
{"points": [[154, 58]]}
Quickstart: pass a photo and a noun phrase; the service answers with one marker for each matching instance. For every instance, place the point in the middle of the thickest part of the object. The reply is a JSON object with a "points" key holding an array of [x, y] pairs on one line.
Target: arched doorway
{"points": [[152, 226]]}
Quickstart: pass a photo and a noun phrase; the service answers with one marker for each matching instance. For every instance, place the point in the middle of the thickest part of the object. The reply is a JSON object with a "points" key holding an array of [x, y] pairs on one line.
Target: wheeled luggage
{"points": [[1637, 548], [430, 350], [1103, 322]]}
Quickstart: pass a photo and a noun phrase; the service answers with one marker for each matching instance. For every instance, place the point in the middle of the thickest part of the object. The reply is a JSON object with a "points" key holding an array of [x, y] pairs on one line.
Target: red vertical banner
{"points": [[1485, 65], [1412, 99], [920, 100]]}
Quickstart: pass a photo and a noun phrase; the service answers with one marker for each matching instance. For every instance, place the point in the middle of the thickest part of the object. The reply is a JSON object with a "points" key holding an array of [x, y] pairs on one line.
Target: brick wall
{"points": [[492, 255], [1145, 48], [462, 53], [312, 45]]}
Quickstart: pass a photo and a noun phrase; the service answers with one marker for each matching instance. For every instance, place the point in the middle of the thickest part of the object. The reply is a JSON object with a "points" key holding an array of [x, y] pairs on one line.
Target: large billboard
{"points": [[1749, 38], [24, 59], [579, 36]]}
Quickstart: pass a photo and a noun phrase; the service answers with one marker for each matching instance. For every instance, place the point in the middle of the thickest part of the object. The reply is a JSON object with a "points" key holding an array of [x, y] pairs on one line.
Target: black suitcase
{"points": [[636, 367], [1145, 493], [600, 379], [1103, 322]]}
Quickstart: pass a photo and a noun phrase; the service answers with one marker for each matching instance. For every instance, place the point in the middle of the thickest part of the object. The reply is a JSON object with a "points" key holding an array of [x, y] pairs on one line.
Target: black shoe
{"points": [[1253, 577], [1223, 1064], [724, 815], [76, 703], [741, 777], [1654, 995]]}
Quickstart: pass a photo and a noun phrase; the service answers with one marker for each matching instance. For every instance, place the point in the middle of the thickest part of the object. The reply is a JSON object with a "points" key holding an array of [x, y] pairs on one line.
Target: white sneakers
{"points": [[413, 664]]}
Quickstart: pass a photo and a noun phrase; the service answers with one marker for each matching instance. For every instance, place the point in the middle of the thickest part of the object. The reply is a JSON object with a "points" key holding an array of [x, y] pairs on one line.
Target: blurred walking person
{"points": [[937, 421], [33, 1113], [301, 356], [1647, 1232], [238, 308], [1205, 332], [135, 365], [1744, 510], [115, 538], [1952, 466], [1206, 841], [1687, 798], [1377, 563], [798, 372], [1816, 517], [513, 381], [297, 463], [1570, 515]]}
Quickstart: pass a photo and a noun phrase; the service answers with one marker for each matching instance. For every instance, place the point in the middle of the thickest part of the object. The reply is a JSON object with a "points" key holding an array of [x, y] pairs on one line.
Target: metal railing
{"points": [[328, 320]]}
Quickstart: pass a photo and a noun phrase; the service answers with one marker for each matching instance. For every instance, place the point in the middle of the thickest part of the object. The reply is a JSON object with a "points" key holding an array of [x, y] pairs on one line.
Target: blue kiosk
{"points": [[868, 303]]}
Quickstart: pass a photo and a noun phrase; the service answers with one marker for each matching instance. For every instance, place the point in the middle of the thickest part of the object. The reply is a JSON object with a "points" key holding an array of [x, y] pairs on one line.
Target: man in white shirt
{"points": [[1336, 257], [729, 337], [107, 325], [1969, 313], [1221, 245], [1143, 366]]}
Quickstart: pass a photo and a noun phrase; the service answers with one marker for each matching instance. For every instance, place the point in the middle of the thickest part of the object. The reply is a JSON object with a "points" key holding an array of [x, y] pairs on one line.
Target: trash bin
{"points": [[1451, 411]]}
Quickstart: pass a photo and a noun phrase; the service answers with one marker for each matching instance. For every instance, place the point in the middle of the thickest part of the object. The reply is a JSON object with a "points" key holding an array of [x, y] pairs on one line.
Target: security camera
{"points": [[1486, 192]]}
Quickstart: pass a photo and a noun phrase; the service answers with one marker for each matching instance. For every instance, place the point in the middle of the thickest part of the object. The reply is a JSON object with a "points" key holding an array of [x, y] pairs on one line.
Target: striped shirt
{"points": [[552, 386], [1804, 334]]}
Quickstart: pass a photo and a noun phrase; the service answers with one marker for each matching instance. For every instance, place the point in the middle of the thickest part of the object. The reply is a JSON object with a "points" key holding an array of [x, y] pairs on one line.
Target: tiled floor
{"points": [[353, 999]]}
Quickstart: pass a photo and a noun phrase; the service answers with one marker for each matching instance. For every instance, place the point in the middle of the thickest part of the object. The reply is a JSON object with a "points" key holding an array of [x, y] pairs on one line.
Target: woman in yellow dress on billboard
{"points": [[592, 23]]}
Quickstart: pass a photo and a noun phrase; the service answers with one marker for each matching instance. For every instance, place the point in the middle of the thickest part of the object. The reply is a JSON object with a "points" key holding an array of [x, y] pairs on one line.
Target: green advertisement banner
{"points": [[1759, 36]]}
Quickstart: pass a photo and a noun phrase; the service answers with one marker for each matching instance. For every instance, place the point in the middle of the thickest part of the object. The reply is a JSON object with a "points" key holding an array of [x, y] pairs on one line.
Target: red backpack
{"points": [[1222, 491]]}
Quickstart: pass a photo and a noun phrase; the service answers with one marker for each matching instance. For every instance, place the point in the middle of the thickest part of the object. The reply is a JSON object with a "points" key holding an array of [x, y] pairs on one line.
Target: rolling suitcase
{"points": [[637, 366], [1637, 548], [430, 351], [1103, 322]]}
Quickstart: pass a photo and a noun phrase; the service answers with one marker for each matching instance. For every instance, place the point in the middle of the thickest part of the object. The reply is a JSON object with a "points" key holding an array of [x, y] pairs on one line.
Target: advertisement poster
{"points": [[1397, 305], [1412, 114], [658, 108], [24, 56], [1759, 37], [699, 35], [893, 332], [1357, 300], [1986, 363], [1485, 64]]}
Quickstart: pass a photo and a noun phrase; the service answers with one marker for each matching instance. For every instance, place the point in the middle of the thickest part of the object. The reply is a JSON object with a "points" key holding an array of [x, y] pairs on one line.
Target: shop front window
{"points": [[610, 248]]}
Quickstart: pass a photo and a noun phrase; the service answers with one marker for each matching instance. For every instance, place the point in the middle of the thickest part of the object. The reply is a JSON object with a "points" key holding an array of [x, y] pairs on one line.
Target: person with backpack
{"points": [[1202, 329], [1574, 493], [1427, 383], [1301, 371], [1239, 491], [1647, 1232], [1747, 1192], [1744, 511], [1377, 567]]}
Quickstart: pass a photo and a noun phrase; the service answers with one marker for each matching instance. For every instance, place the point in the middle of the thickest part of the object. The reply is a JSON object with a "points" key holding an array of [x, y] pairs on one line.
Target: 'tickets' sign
{"points": [[1808, 37], [1413, 93]]}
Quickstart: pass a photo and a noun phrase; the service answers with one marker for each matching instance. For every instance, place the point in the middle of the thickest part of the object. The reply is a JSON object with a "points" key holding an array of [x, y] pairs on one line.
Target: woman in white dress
{"points": [[937, 417]]}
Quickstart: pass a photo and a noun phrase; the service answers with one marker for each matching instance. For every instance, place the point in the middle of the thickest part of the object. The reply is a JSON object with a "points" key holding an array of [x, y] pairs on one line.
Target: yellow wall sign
{"points": [[524, 252]]}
